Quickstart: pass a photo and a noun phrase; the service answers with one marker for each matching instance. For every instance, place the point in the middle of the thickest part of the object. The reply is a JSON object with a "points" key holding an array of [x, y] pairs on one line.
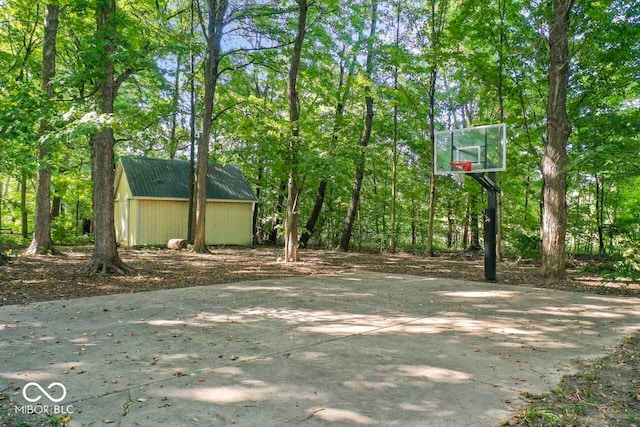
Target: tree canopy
{"points": [[374, 79]]}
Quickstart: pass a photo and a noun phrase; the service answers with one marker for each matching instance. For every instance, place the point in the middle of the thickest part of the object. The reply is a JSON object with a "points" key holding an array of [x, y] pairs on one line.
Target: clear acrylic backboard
{"points": [[471, 150]]}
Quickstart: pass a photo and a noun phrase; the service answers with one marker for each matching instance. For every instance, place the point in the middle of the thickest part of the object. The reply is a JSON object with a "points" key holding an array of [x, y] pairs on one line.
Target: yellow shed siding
{"points": [[123, 190], [140, 222], [229, 223], [121, 217], [133, 221], [161, 220], [122, 211]]}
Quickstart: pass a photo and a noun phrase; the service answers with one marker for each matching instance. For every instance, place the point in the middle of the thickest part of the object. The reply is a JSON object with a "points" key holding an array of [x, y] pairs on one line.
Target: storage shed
{"points": [[152, 203]]}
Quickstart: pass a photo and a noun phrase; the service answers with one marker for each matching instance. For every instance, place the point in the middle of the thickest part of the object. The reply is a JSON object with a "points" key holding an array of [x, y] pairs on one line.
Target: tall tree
{"points": [[393, 243], [105, 256], [554, 162], [291, 219], [502, 13], [437, 20], [347, 67], [192, 129], [213, 35], [349, 220], [42, 243]]}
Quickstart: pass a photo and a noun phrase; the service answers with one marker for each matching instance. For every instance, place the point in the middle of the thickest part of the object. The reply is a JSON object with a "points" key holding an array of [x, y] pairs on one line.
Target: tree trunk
{"points": [[56, 207], [105, 257], [3, 259], [450, 225], [273, 235], [554, 162], [217, 11], [414, 226], [393, 243], [1, 201], [349, 221], [467, 223], [173, 142], [475, 231], [526, 199], [291, 218], [502, 10], [192, 135], [600, 213], [315, 214], [256, 208], [291, 221], [24, 214], [432, 139], [41, 242]]}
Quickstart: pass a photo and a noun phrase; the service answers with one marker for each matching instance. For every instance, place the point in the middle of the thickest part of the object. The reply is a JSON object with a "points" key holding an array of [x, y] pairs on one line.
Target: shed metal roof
{"points": [[163, 178]]}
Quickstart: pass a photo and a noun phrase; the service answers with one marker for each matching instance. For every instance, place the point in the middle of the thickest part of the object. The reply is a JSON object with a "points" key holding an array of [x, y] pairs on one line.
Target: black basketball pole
{"points": [[490, 233], [488, 182]]}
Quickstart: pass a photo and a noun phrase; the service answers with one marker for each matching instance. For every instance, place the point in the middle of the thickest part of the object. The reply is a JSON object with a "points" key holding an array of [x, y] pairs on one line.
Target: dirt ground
{"points": [[64, 276], [605, 392]]}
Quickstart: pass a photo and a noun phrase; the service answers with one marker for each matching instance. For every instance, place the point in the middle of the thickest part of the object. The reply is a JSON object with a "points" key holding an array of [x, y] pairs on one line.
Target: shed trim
{"points": [[177, 199]]}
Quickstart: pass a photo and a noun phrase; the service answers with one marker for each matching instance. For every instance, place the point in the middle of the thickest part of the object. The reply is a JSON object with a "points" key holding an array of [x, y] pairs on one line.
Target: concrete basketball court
{"points": [[348, 349]]}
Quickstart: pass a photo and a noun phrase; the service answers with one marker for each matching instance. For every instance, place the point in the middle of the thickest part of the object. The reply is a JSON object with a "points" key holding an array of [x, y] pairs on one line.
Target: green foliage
{"points": [[626, 265], [534, 414], [59, 420], [250, 125]]}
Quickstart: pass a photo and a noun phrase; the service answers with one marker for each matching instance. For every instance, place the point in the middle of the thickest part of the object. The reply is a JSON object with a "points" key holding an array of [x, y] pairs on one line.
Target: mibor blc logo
{"points": [[43, 391], [34, 392]]}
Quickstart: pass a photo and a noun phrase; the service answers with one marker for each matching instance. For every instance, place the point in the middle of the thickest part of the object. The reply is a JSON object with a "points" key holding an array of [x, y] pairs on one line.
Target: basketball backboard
{"points": [[471, 150]]}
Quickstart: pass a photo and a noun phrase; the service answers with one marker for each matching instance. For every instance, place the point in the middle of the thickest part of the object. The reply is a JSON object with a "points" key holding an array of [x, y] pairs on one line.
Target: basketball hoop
{"points": [[465, 165]]}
